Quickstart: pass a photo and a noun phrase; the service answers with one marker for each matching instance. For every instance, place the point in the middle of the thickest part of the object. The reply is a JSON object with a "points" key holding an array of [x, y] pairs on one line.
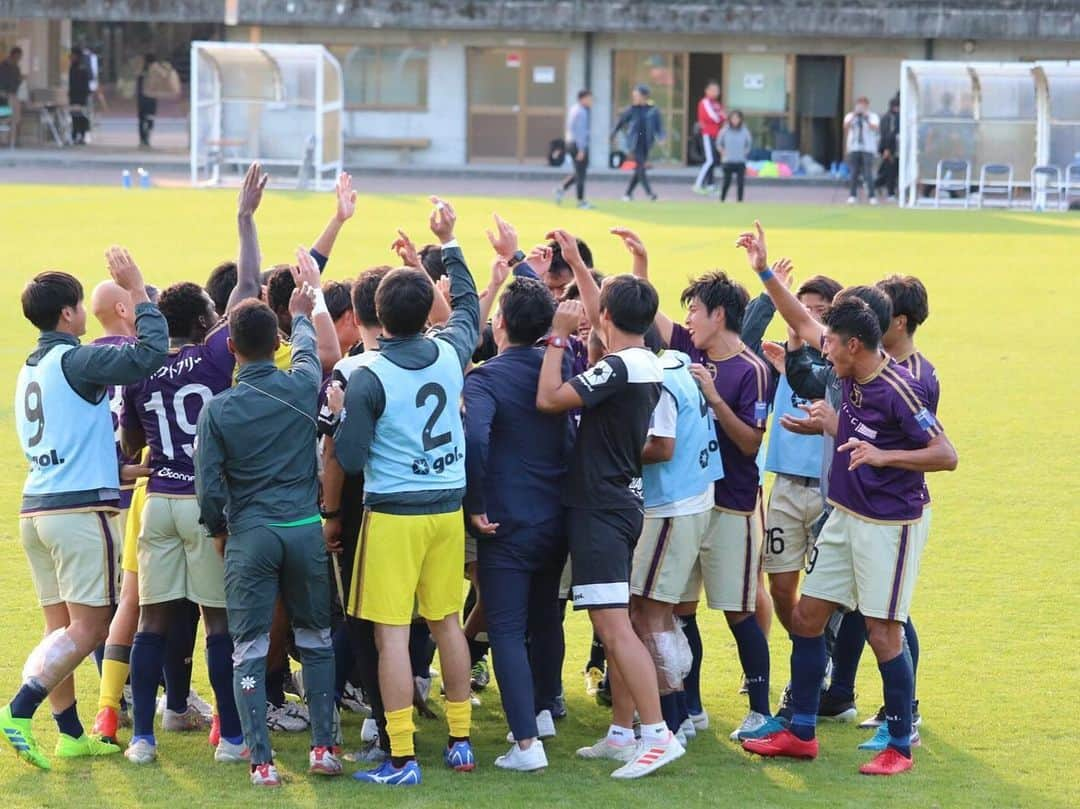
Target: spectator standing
{"points": [[145, 104], [862, 129], [710, 119], [78, 96], [578, 129], [889, 170], [644, 128], [734, 142], [10, 80]]}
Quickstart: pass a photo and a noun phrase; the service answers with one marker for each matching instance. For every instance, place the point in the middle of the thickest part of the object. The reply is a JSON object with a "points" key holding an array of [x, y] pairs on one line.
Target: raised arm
{"points": [[345, 208], [588, 291], [306, 353], [552, 394], [636, 248], [249, 263], [463, 326], [406, 251], [500, 271]]}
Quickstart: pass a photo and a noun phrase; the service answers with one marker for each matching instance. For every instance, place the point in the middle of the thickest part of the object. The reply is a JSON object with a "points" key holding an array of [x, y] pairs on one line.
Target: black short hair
{"points": [[220, 284], [572, 293], [873, 297], [712, 83], [431, 261], [820, 285], [715, 290], [363, 295], [403, 301], [527, 308], [583, 94], [47, 294], [853, 317], [279, 287], [182, 305], [16, 51], [338, 295], [558, 263], [909, 298], [631, 302], [253, 327]]}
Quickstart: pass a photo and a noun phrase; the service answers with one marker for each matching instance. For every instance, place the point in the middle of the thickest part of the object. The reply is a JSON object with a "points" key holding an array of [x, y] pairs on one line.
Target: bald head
{"points": [[111, 305]]}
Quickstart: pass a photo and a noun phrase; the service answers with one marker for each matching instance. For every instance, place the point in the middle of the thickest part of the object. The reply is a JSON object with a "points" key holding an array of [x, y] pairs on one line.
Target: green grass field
{"points": [[996, 605]]}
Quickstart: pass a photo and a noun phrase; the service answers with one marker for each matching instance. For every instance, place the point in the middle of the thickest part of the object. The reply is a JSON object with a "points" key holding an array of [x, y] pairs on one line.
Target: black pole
{"points": [[588, 59]]}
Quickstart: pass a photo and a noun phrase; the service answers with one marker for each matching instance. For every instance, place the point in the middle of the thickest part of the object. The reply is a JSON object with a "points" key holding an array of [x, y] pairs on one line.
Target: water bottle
{"points": [[125, 178], [144, 178]]}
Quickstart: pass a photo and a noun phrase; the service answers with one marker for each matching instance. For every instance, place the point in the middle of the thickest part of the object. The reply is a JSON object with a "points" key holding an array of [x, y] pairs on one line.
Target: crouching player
{"points": [[253, 461]]}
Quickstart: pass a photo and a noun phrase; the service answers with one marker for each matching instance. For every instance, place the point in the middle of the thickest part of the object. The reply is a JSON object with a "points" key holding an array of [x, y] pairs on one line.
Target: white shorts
{"points": [[793, 509], [872, 566], [177, 558], [665, 556], [74, 556], [728, 562]]}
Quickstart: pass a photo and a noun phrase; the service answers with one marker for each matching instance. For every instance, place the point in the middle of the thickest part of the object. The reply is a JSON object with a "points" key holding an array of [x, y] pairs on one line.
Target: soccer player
{"points": [[516, 461], [402, 428], [604, 518], [867, 554], [72, 492], [257, 489]]}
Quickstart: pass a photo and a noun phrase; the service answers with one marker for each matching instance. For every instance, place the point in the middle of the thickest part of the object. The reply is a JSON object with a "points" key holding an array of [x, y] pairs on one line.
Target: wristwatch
{"points": [[558, 342], [329, 515], [516, 259]]}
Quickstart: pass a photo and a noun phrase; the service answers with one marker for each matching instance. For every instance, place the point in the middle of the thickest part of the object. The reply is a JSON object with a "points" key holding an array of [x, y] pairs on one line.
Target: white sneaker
{"points": [[605, 749], [700, 720], [265, 775], [851, 200], [649, 757], [281, 719], [141, 752], [369, 731], [200, 705], [681, 736], [423, 685], [688, 729], [873, 200], [189, 720], [228, 753], [752, 727], [323, 761], [627, 198], [528, 760], [545, 727]]}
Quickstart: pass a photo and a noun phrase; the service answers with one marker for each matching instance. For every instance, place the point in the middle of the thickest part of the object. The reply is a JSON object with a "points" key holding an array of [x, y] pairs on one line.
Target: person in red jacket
{"points": [[710, 118]]}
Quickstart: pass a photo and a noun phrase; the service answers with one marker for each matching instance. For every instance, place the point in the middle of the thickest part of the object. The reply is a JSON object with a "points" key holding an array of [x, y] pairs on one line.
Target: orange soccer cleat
{"points": [[888, 762], [783, 743]]}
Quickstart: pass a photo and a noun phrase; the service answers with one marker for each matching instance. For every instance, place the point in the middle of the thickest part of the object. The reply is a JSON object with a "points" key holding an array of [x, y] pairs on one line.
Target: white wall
{"points": [[877, 78]]}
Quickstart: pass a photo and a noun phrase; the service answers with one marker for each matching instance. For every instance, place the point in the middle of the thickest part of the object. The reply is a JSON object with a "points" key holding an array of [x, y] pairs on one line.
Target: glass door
{"points": [[666, 75]]}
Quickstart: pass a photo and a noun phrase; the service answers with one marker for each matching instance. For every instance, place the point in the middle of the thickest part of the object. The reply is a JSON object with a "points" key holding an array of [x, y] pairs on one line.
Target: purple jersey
{"points": [[744, 382], [166, 407], [919, 367], [890, 411], [116, 400]]}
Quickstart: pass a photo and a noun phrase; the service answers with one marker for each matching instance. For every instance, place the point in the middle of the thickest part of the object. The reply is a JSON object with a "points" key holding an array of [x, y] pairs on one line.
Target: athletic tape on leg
{"points": [[684, 652], [663, 647], [51, 661]]}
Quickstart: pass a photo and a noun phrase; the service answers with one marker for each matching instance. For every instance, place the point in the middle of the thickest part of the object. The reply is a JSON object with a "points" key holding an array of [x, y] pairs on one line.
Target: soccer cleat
{"points": [[649, 757], [627, 198], [387, 774], [200, 704], [836, 709], [874, 721], [369, 753], [756, 726], [85, 745], [545, 727], [20, 736], [700, 720], [353, 700], [606, 749], [688, 729], [559, 710], [530, 760], [880, 740], [888, 762], [916, 717], [593, 678], [783, 744], [215, 731], [105, 724], [189, 720], [281, 718], [324, 761], [480, 677], [225, 752], [265, 775], [851, 200], [459, 756], [369, 731], [141, 751]]}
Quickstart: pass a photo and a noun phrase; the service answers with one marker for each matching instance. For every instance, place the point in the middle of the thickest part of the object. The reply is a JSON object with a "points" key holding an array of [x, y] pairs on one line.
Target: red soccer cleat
{"points": [[105, 725], [888, 762], [215, 731], [784, 743]]}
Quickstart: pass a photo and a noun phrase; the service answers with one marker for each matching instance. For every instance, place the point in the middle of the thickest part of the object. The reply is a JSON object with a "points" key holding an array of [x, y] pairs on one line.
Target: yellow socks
{"points": [[459, 718], [114, 674], [400, 728]]}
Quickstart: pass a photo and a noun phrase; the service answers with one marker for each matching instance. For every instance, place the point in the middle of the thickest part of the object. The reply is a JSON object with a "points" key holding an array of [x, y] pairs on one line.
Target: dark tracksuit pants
{"points": [[519, 577], [260, 563], [641, 157], [581, 167]]}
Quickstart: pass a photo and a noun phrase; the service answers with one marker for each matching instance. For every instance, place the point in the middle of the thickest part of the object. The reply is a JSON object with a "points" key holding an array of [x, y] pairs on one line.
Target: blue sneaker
{"points": [[459, 756], [880, 740], [386, 773], [757, 726]]}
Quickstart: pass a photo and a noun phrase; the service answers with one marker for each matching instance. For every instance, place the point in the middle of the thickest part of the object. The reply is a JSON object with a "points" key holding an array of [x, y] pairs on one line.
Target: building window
{"points": [[393, 77], [666, 74]]}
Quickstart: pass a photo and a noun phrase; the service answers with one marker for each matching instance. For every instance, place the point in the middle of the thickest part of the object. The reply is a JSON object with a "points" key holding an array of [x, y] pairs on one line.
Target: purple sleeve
{"points": [[129, 410], [751, 399], [917, 421], [680, 339], [216, 350]]}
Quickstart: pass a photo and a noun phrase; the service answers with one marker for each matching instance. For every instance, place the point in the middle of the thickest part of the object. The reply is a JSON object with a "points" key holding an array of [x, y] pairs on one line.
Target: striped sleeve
{"points": [[916, 418], [759, 382]]}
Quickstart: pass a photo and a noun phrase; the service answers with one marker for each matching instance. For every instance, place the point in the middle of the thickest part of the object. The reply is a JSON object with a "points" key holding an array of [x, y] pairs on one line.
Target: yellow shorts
{"points": [[73, 556], [177, 558], [406, 560], [132, 527]]}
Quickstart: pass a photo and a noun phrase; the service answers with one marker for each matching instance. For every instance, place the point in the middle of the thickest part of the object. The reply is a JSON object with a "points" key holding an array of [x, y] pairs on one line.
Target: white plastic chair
{"points": [[1072, 183], [996, 185], [1046, 186], [952, 176]]}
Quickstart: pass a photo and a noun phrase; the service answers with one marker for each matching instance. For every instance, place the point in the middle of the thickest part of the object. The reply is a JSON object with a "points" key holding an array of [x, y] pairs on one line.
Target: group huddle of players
{"points": [[316, 466]]}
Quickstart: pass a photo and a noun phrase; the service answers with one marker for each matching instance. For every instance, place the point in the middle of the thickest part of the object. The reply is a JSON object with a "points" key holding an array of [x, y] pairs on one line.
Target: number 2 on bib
{"points": [[432, 390]]}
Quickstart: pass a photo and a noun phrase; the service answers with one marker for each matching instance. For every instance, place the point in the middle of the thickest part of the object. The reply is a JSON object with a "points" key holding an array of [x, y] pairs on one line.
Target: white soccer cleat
{"points": [[369, 731], [324, 761], [280, 718], [141, 752], [190, 720], [650, 757], [687, 729], [700, 720], [605, 749], [530, 760], [265, 775], [545, 727], [200, 704], [228, 753]]}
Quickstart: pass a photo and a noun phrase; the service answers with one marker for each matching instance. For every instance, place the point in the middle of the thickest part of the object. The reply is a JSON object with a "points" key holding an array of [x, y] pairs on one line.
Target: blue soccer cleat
{"points": [[880, 740], [389, 775], [459, 756]]}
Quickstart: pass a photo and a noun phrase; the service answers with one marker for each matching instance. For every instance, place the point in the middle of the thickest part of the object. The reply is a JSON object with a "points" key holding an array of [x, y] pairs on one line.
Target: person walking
{"points": [[644, 128], [889, 170], [734, 143], [78, 96], [146, 105], [710, 119], [578, 124], [861, 133]]}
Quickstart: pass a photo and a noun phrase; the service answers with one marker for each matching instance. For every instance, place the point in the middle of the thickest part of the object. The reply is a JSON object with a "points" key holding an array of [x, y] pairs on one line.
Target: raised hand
{"points": [[123, 269], [631, 241], [442, 286], [500, 271], [302, 301], [442, 220], [567, 318], [568, 245], [406, 250], [754, 245], [504, 241], [775, 354], [785, 271], [251, 190], [346, 197], [335, 398], [305, 271], [539, 259]]}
